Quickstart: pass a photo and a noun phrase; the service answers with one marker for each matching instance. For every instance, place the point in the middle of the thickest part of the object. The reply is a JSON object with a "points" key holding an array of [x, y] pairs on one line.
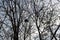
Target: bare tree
{"points": [[14, 13]]}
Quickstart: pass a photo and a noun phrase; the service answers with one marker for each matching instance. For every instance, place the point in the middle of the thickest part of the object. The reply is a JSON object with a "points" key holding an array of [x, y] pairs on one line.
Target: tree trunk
{"points": [[39, 34], [15, 35], [24, 36], [38, 29]]}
